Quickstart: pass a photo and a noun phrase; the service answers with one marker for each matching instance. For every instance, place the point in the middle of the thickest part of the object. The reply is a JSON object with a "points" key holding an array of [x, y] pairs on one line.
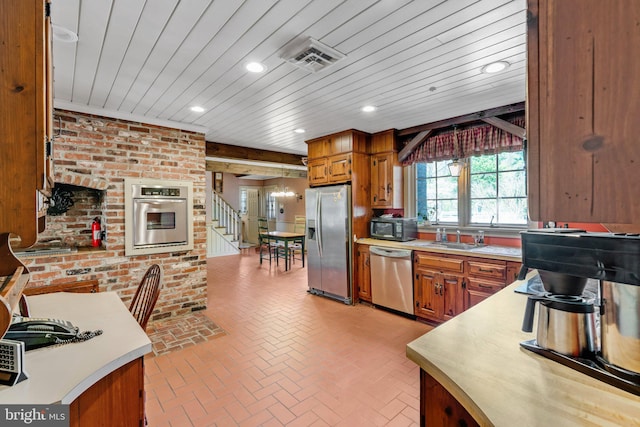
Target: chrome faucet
{"points": [[457, 236]]}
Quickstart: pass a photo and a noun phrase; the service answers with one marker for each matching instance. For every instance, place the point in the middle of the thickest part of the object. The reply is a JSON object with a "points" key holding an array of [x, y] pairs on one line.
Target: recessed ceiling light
{"points": [[197, 109], [299, 130], [368, 108], [495, 67], [256, 67], [64, 35]]}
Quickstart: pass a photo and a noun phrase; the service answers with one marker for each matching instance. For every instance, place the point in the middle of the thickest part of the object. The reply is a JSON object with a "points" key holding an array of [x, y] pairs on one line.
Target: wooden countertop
{"points": [[505, 253], [476, 356], [59, 374]]}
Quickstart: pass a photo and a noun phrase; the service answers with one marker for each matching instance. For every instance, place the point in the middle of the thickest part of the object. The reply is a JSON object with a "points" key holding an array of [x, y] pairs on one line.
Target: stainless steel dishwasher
{"points": [[391, 278]]}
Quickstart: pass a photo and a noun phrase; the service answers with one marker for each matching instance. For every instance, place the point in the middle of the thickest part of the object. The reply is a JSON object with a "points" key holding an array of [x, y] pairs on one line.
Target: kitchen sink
{"points": [[456, 245], [449, 245]]}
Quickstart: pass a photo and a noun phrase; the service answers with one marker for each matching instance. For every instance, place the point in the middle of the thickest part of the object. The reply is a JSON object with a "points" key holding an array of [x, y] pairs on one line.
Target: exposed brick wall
{"points": [[73, 228], [108, 150]]}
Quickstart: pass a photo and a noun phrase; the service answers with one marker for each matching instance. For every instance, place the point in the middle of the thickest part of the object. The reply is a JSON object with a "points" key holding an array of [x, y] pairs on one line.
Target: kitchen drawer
{"points": [[486, 286], [439, 263], [485, 269]]}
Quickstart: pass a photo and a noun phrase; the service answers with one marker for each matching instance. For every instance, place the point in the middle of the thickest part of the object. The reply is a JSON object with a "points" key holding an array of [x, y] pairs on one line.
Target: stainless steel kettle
{"points": [[566, 324], [620, 325]]}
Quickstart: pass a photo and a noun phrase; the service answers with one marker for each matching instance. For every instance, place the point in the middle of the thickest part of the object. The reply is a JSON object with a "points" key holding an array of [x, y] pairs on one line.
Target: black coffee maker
{"points": [[568, 328]]}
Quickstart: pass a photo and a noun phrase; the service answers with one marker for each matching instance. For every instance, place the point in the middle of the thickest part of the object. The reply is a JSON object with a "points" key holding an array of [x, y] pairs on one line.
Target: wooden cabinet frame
{"points": [[438, 285], [386, 172], [363, 273], [582, 113], [25, 115], [446, 285]]}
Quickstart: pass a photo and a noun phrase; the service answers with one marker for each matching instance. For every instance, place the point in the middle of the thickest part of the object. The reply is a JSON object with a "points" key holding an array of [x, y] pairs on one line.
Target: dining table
{"points": [[287, 237]]}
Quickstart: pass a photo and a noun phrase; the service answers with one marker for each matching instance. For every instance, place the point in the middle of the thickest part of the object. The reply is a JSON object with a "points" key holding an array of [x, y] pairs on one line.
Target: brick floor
{"points": [[286, 358], [181, 332]]}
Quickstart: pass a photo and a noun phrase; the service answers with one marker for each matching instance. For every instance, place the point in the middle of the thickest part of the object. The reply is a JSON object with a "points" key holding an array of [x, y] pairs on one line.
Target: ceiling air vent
{"points": [[311, 55]]}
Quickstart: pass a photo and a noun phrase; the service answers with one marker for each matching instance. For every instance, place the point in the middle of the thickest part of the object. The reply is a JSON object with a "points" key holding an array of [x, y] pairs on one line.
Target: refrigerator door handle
{"points": [[319, 222]]}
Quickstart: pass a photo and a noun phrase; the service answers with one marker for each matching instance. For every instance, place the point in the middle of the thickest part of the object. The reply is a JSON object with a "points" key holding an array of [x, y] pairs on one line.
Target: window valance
{"points": [[473, 140]]}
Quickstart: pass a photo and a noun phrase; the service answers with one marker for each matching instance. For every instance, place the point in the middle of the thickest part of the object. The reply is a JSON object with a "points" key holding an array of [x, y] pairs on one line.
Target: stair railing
{"points": [[226, 216]]}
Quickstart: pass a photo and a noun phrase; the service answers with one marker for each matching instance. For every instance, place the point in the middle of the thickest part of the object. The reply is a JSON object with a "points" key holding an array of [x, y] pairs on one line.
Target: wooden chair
{"points": [[146, 295], [268, 247], [296, 247]]}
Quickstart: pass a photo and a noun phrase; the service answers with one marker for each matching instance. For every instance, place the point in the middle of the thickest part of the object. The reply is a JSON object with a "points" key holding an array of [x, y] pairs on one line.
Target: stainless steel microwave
{"points": [[398, 229]]}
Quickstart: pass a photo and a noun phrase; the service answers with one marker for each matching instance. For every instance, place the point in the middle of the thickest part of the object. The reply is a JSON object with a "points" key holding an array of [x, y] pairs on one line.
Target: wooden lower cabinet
{"points": [[513, 270], [478, 290], [363, 274], [446, 285], [115, 400], [438, 408], [438, 286], [438, 295], [484, 278]]}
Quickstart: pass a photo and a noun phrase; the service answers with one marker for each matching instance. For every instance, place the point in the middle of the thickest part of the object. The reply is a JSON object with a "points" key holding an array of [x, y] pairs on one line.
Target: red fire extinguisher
{"points": [[96, 232]]}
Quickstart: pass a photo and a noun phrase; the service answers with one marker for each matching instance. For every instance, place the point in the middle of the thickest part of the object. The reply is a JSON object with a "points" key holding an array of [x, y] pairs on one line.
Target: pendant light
{"points": [[282, 191], [455, 167]]}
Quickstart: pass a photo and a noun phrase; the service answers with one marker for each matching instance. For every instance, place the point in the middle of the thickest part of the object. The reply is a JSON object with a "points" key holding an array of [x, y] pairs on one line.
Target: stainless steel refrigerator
{"points": [[328, 211]]}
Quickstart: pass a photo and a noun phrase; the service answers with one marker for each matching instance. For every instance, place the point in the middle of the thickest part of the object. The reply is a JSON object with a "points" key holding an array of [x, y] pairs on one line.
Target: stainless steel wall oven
{"points": [[158, 216]]}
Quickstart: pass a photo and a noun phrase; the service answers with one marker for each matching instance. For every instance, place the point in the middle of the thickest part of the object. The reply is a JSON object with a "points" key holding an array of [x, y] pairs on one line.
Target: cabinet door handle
{"points": [[375, 198], [388, 188]]}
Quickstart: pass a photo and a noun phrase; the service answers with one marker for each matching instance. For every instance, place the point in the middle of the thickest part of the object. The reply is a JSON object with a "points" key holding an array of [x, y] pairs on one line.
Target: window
{"points": [[243, 201], [498, 189], [437, 198], [491, 190], [271, 203]]}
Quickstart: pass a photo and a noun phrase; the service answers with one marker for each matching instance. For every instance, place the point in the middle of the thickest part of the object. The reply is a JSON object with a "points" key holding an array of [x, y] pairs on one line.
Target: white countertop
{"points": [[506, 253], [59, 374]]}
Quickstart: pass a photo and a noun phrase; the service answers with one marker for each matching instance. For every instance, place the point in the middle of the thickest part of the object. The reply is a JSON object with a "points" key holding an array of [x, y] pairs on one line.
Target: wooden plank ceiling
{"points": [[416, 61]]}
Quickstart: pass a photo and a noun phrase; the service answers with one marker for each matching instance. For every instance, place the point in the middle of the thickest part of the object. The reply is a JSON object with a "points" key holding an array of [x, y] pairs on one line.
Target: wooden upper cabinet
{"points": [[25, 114], [331, 157], [317, 148], [48, 107], [383, 142], [386, 181], [340, 144], [339, 168], [317, 169], [386, 172], [583, 110]]}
